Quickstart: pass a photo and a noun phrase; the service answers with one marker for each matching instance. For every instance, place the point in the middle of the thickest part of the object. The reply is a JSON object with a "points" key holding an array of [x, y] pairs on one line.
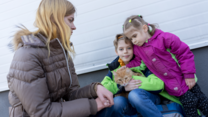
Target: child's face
{"points": [[124, 51], [138, 37]]}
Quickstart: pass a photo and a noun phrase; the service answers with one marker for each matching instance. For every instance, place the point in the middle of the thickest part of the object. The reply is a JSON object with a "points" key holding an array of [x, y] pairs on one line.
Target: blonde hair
{"points": [[121, 37], [137, 22], [50, 22]]}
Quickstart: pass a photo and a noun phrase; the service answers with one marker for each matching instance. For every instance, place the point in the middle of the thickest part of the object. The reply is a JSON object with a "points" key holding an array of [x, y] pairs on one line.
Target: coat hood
{"points": [[27, 38], [17, 40]]}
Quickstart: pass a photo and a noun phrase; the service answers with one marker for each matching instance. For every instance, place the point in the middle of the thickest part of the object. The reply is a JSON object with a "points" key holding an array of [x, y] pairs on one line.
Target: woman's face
{"points": [[69, 20]]}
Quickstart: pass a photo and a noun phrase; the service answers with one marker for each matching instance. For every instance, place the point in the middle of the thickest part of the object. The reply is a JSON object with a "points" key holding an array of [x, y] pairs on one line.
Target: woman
{"points": [[42, 78]]}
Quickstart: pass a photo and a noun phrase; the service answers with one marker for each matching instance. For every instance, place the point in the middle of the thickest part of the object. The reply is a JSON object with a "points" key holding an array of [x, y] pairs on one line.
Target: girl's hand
{"points": [[133, 84], [105, 96], [190, 82]]}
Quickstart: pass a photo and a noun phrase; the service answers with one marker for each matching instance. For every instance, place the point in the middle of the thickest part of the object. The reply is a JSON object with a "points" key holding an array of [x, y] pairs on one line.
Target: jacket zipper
{"points": [[66, 62]]}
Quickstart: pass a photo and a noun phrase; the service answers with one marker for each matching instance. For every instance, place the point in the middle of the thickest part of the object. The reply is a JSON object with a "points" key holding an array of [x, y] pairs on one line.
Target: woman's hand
{"points": [[100, 105], [133, 84], [105, 96], [190, 82]]}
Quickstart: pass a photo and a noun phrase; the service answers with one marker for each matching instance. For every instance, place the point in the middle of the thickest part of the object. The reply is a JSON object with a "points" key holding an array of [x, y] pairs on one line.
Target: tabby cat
{"points": [[122, 76]]}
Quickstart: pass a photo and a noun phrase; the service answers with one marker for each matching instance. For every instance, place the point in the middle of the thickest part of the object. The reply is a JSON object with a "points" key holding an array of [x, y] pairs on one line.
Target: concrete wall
{"points": [[201, 61], [98, 21]]}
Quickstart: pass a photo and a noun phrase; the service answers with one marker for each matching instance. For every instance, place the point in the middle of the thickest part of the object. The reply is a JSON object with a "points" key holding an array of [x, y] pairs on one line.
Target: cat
{"points": [[122, 76]]}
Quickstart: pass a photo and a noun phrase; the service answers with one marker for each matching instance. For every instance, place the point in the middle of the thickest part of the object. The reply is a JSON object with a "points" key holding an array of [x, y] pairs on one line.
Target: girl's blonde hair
{"points": [[121, 37], [137, 22], [50, 22]]}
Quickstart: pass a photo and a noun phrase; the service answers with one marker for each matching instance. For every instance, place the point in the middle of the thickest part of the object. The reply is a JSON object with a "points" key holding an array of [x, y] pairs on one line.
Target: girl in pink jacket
{"points": [[157, 50]]}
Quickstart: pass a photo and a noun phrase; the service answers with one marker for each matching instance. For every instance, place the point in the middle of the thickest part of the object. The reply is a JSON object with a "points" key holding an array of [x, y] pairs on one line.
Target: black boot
{"points": [[189, 101], [202, 99]]}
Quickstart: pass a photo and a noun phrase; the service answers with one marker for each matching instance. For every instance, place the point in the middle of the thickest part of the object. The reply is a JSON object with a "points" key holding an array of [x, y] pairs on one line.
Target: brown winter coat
{"points": [[38, 84]]}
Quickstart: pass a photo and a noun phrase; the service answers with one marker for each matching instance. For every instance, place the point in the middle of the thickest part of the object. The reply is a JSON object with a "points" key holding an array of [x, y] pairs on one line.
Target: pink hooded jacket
{"points": [[156, 57]]}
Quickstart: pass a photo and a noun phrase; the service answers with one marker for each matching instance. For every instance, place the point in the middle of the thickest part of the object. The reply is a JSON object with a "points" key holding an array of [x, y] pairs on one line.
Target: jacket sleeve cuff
{"points": [[189, 76], [93, 106], [94, 88]]}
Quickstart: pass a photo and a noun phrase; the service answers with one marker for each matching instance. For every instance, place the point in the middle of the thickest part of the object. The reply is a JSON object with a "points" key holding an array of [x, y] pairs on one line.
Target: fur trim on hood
{"points": [[17, 37]]}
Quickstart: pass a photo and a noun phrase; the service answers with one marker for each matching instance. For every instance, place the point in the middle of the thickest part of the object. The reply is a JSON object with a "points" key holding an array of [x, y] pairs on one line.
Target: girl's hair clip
{"points": [[140, 16], [130, 21]]}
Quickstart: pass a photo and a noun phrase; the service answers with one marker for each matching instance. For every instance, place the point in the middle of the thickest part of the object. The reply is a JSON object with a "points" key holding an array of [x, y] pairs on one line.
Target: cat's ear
{"points": [[114, 73]]}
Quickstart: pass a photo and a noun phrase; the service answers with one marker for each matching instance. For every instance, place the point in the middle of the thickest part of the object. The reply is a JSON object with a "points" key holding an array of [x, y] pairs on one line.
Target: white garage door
{"points": [[98, 21]]}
